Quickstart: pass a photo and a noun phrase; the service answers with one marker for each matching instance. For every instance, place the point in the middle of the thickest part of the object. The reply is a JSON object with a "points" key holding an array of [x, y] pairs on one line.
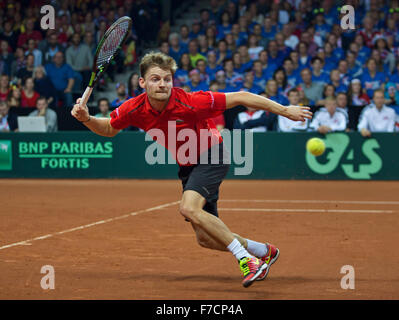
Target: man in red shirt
{"points": [[165, 109]]}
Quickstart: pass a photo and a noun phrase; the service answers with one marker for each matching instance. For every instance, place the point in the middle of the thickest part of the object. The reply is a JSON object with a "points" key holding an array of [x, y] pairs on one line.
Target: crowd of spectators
{"points": [[292, 52], [296, 52], [54, 65]]}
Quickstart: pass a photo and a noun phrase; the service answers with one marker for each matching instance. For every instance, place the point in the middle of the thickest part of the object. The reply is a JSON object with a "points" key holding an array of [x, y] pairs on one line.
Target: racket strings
{"points": [[112, 43]]}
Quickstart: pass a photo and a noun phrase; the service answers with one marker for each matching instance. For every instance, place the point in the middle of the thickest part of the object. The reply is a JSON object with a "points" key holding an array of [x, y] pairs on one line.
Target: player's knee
{"points": [[188, 211]]}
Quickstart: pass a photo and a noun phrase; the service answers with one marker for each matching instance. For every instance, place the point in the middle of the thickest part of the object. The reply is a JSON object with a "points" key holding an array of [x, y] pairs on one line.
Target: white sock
{"points": [[238, 250], [256, 248]]}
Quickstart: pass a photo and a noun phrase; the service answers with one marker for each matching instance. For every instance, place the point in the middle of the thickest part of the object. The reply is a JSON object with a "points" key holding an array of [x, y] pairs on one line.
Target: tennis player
{"points": [[163, 104]]}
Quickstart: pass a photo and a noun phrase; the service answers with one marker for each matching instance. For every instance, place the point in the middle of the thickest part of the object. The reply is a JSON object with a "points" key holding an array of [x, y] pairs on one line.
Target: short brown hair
{"points": [[157, 59]]}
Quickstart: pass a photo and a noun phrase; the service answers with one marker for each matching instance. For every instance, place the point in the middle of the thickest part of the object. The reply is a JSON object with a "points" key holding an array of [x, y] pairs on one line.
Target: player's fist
{"points": [[299, 113], [81, 113]]}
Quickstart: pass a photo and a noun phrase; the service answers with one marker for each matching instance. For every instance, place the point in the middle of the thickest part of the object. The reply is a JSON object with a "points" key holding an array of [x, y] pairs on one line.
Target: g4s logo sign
{"points": [[336, 145]]}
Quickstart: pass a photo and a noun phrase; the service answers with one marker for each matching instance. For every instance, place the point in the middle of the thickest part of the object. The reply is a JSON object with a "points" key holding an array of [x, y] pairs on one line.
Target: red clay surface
{"points": [[154, 255]]}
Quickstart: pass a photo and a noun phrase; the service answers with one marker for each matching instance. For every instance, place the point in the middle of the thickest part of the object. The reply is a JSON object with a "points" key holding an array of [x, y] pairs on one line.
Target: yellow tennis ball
{"points": [[315, 146]]}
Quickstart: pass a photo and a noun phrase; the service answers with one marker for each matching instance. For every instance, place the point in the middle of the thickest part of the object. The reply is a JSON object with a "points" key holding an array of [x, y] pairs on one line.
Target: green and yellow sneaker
{"points": [[251, 269]]}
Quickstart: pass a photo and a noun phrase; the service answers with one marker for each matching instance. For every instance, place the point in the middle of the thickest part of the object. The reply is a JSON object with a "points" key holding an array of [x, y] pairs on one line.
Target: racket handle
{"points": [[86, 96]]}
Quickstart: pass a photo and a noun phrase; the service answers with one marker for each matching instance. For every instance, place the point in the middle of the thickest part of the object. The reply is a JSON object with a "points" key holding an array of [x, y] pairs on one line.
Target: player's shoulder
{"points": [[134, 104]]}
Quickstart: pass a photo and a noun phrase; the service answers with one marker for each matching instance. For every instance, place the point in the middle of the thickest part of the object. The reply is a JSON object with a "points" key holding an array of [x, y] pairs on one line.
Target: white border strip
{"points": [[311, 201], [28, 242], [306, 210]]}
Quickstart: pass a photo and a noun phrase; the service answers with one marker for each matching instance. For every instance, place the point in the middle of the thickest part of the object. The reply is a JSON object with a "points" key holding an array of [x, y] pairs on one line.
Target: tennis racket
{"points": [[107, 49]]}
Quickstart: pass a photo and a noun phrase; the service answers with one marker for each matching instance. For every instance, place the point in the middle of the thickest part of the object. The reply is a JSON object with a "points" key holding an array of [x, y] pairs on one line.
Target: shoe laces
{"points": [[245, 268]]}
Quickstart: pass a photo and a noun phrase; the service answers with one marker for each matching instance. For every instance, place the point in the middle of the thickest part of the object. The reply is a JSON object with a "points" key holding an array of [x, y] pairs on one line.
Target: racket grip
{"points": [[86, 96]]}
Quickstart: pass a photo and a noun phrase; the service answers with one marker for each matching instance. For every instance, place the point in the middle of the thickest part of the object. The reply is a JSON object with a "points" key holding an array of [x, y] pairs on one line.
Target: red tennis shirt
{"points": [[190, 111]]}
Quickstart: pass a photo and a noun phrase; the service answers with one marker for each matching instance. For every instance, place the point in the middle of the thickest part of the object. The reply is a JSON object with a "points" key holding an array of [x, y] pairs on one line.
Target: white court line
{"points": [[311, 201], [306, 210], [27, 242]]}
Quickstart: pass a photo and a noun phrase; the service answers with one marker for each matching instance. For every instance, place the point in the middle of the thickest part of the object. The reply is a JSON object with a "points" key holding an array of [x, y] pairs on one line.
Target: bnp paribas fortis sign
{"points": [[65, 155]]}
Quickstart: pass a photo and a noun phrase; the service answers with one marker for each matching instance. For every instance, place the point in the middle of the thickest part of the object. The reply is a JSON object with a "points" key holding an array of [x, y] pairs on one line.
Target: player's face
{"points": [[157, 83]]}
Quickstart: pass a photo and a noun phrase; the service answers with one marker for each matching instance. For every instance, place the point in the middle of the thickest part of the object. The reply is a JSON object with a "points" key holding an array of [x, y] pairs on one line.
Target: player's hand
{"points": [[365, 133], [299, 113], [81, 113]]}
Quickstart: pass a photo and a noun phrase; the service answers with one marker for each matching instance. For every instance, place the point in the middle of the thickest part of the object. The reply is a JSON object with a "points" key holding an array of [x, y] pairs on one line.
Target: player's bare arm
{"points": [[100, 126], [247, 99]]}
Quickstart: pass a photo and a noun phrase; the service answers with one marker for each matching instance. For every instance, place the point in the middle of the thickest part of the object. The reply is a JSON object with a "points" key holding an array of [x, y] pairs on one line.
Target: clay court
{"points": [[124, 239]]}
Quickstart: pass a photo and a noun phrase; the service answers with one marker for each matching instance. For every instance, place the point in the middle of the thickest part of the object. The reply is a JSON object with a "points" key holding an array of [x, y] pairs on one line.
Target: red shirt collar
{"points": [[169, 106]]}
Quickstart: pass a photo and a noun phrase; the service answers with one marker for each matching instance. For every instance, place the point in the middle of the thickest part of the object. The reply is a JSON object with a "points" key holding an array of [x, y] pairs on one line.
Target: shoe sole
{"points": [[270, 264], [248, 283]]}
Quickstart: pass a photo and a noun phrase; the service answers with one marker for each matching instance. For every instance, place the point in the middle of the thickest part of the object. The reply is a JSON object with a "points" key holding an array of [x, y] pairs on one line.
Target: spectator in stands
{"points": [[287, 125], [355, 68], [281, 80], [26, 71], [328, 92], [9, 35], [80, 58], [381, 66], [42, 110], [313, 90], [184, 35], [195, 30], [28, 95], [344, 75], [103, 108], [290, 39], [164, 47], [330, 60], [195, 82], [386, 56], [202, 45], [356, 96], [36, 53], [249, 85], [329, 119], [175, 47], [362, 50], [371, 78], [62, 76], [89, 41], [251, 119], [260, 77], [121, 93], [335, 80], [222, 52], [271, 91], [51, 48], [221, 81], [318, 74], [253, 47], [391, 95], [4, 87], [212, 67], [14, 97], [282, 48], [233, 78], [181, 75], [6, 58], [267, 67], [8, 121], [368, 32], [292, 76], [43, 85], [274, 58], [193, 53], [201, 67], [377, 117], [224, 27], [134, 88], [304, 57], [246, 61], [29, 33]]}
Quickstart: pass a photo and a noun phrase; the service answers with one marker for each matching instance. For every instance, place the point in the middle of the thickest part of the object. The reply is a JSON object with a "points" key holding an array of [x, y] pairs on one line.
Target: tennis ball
{"points": [[315, 146]]}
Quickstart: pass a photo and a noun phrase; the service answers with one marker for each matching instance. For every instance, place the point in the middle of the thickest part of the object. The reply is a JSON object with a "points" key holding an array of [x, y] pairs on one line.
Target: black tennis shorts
{"points": [[206, 178]]}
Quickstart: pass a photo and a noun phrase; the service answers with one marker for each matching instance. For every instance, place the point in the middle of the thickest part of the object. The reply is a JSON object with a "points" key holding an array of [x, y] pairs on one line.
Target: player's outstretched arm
{"points": [[247, 99], [100, 126]]}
